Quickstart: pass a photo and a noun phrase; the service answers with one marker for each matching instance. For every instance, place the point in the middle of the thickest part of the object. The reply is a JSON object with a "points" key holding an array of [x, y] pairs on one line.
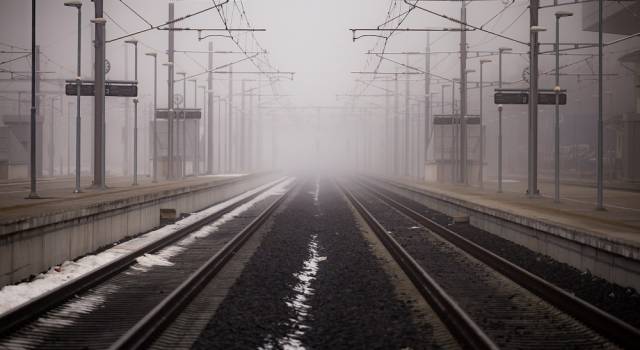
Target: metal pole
{"points": [[405, 157], [184, 125], [32, 170], [427, 105], [260, 138], [387, 153], [126, 128], [249, 135], [52, 153], [78, 87], [170, 166], [205, 124], [600, 148], [556, 194], [69, 128], [532, 190], [481, 156], [92, 121], [454, 142], [155, 120], [135, 121], [500, 51], [241, 147], [135, 142], [396, 127], [210, 114], [230, 150], [442, 131], [273, 141], [196, 161], [219, 163], [99, 168], [462, 174]]}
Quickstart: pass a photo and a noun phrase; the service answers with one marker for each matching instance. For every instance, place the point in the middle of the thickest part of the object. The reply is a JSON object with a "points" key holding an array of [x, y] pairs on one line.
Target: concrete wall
{"points": [[610, 260], [33, 245]]}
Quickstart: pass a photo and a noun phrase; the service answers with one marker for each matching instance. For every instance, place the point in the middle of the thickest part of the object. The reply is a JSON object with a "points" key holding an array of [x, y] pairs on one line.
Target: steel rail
{"points": [[456, 319], [143, 333], [31, 310], [602, 322]]}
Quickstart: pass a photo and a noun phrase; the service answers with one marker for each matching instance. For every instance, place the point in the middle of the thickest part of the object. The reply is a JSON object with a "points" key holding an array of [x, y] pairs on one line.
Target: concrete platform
{"points": [[37, 234], [606, 243]]}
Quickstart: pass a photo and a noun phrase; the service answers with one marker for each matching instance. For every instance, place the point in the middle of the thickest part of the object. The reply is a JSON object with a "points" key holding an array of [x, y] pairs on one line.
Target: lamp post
{"points": [[155, 107], [134, 42], [556, 89], [33, 194], [532, 190], [78, 5], [454, 133], [481, 168], [600, 139], [184, 123], [501, 51]]}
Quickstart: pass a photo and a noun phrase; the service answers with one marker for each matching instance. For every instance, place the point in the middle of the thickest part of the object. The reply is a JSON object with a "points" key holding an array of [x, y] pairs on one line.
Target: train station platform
{"points": [[36, 234], [605, 243]]}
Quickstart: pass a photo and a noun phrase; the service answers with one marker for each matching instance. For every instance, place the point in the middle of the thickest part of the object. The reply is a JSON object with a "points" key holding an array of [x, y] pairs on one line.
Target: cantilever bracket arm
{"points": [[228, 30], [445, 29]]}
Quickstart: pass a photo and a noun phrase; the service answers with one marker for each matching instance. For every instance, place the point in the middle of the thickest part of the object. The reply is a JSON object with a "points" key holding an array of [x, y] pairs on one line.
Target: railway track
{"points": [[142, 334], [458, 321], [479, 299], [510, 306], [125, 290]]}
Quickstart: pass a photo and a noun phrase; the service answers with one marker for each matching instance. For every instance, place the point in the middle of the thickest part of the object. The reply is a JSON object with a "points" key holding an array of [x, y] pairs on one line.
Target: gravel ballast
{"points": [[622, 302], [510, 315], [314, 283]]}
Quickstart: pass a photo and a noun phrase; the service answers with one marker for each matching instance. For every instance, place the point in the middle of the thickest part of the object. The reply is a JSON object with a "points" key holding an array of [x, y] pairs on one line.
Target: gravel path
{"points": [[314, 282]]}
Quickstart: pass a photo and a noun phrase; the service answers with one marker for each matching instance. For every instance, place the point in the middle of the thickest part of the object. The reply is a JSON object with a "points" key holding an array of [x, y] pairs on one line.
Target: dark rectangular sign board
{"points": [[550, 99], [189, 113], [511, 98], [522, 98], [447, 121], [71, 89]]}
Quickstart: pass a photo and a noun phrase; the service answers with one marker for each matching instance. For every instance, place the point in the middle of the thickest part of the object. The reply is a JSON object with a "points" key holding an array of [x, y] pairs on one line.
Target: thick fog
{"points": [[325, 117]]}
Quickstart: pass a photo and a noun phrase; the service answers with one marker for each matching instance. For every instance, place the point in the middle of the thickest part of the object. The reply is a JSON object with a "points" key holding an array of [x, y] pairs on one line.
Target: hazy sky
{"points": [[310, 38]]}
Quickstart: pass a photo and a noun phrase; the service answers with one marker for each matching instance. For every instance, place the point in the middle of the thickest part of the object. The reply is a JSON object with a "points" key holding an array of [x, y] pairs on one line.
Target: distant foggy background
{"points": [[315, 128]]}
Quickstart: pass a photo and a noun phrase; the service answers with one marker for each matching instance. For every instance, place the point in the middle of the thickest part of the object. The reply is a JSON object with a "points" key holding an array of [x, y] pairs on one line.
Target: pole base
{"points": [[77, 190], [100, 187], [33, 195], [534, 195]]}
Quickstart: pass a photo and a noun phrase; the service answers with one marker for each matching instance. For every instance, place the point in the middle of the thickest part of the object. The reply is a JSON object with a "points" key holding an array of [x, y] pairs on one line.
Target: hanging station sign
{"points": [[112, 88], [189, 113], [521, 97]]}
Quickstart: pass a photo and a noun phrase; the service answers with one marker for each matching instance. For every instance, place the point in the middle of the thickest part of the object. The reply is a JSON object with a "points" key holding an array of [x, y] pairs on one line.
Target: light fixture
{"points": [[73, 3]]}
